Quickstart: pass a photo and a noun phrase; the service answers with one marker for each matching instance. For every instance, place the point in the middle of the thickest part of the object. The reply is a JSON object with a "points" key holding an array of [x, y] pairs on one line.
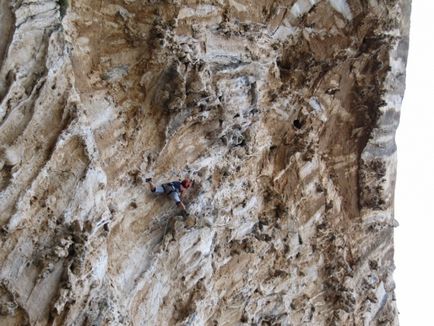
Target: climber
{"points": [[173, 189]]}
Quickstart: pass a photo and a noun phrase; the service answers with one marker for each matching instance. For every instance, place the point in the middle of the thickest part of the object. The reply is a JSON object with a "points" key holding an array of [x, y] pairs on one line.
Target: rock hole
{"points": [[254, 111], [297, 124], [300, 240], [71, 251]]}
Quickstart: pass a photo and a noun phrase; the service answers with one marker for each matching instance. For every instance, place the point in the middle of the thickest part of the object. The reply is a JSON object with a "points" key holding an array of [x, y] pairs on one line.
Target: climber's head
{"points": [[186, 183]]}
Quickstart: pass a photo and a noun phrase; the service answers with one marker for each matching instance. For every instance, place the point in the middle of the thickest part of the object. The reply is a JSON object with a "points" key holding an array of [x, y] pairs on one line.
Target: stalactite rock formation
{"points": [[282, 112]]}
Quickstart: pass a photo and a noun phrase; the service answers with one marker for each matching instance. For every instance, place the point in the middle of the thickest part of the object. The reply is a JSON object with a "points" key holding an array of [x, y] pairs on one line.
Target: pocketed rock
{"points": [[282, 112]]}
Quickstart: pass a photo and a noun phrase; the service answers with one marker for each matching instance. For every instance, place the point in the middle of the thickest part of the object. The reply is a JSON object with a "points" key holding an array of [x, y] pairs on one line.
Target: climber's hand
{"points": [[181, 204]]}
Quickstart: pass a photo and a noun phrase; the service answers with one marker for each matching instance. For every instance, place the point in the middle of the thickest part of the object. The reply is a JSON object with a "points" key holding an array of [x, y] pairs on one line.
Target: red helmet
{"points": [[186, 183]]}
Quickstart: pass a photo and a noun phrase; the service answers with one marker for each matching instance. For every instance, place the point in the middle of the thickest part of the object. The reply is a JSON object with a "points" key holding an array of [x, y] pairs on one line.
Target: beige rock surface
{"points": [[283, 113]]}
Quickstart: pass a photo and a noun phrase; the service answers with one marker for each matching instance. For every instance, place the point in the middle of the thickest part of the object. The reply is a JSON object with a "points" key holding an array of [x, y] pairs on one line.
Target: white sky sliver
{"points": [[415, 176]]}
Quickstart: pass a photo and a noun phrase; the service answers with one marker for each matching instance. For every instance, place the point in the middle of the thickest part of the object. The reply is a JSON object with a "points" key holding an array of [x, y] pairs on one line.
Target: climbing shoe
{"points": [[148, 179]]}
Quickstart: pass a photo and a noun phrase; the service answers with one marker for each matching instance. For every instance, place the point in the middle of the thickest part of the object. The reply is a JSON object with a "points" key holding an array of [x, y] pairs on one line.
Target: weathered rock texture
{"points": [[283, 112]]}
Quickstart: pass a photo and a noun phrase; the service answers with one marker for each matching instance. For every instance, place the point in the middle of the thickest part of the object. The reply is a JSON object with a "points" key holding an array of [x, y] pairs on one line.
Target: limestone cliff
{"points": [[283, 112]]}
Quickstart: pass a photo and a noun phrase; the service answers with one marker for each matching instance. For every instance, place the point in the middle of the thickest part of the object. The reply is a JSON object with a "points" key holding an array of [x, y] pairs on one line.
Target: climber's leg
{"points": [[158, 189], [175, 197]]}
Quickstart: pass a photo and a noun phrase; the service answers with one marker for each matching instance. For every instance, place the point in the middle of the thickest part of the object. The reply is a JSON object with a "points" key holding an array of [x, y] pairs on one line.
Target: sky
{"points": [[414, 194]]}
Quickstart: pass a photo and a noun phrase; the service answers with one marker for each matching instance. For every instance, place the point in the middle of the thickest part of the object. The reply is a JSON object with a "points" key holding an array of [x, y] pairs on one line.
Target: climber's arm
{"points": [[181, 204]]}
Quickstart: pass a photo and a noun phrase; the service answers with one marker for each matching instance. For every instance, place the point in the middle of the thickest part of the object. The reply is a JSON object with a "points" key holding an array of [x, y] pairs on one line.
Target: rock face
{"points": [[283, 113]]}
